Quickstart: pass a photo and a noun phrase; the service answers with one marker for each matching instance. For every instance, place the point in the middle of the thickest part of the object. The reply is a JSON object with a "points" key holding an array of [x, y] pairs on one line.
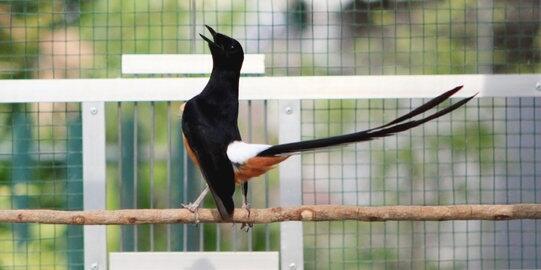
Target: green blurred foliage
{"points": [[442, 37], [122, 27]]}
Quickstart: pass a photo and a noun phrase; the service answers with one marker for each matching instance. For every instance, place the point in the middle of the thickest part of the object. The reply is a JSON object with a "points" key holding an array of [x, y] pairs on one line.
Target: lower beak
{"points": [[207, 40], [211, 43]]}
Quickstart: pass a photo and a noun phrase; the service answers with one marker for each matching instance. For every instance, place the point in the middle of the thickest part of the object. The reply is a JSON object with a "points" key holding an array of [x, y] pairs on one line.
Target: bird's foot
{"points": [[246, 226], [192, 207]]}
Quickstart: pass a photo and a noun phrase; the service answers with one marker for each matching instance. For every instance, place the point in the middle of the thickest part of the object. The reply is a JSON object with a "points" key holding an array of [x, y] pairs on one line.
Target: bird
{"points": [[213, 141]]}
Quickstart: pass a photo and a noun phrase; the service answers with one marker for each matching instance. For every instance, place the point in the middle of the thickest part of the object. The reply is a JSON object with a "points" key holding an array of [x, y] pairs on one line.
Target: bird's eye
{"points": [[232, 46]]}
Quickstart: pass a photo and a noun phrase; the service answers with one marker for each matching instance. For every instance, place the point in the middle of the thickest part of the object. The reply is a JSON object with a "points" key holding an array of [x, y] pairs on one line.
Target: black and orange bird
{"points": [[213, 141]]}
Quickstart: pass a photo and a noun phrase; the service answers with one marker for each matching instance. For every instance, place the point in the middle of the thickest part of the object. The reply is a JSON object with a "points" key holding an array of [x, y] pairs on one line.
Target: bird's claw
{"points": [[192, 207], [246, 226]]}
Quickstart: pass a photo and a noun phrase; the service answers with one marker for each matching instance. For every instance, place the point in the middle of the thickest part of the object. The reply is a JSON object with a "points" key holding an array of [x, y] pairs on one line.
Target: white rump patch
{"points": [[239, 152]]}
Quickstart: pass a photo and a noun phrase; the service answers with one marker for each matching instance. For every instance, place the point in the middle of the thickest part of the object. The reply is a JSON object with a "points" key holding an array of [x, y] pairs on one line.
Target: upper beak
{"points": [[212, 32]]}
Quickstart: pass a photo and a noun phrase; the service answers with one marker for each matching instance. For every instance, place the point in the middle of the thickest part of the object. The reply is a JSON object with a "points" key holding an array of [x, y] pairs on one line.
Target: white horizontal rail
{"points": [[184, 64], [193, 260], [261, 88]]}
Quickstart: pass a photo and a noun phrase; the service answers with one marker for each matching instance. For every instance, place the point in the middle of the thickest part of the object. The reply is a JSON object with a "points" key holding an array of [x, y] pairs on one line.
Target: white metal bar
{"points": [[184, 64], [264, 88], [291, 233], [95, 245], [193, 260]]}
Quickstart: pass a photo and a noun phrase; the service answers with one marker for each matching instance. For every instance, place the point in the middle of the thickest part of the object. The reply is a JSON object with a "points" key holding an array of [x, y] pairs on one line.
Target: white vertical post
{"points": [[95, 245], [291, 234]]}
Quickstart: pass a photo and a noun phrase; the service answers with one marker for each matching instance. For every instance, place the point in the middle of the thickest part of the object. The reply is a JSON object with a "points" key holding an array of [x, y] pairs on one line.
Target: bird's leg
{"points": [[245, 205], [194, 206]]}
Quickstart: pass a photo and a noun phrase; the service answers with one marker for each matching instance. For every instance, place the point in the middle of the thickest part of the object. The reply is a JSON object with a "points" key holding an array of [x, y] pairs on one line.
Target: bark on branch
{"points": [[278, 214]]}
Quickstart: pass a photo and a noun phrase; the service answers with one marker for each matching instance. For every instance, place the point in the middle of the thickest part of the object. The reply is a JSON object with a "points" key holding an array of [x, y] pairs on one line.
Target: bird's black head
{"points": [[226, 51]]}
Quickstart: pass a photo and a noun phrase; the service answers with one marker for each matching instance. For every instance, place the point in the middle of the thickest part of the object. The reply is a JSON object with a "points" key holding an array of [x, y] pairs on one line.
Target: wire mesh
{"points": [[485, 153], [41, 167], [146, 165], [85, 39]]}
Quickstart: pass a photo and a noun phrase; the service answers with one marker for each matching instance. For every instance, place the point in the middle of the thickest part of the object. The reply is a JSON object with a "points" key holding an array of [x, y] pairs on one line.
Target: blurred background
{"points": [[485, 153]]}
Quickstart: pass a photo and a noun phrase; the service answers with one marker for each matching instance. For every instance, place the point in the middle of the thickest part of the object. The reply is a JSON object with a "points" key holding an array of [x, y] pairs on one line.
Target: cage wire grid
{"points": [[85, 39], [41, 157], [484, 154]]}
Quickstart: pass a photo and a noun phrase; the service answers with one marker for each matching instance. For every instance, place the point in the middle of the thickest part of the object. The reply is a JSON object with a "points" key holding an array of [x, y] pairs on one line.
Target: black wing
{"points": [[210, 151]]}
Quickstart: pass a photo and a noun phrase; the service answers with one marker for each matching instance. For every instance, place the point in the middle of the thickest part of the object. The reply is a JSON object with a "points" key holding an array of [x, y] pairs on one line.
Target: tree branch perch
{"points": [[278, 214]]}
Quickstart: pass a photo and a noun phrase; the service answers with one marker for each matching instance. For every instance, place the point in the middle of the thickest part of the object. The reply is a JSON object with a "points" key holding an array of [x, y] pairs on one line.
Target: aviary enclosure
{"points": [[485, 153]]}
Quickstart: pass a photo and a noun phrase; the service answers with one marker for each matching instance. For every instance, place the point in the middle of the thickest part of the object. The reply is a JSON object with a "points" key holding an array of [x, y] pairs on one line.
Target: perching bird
{"points": [[212, 138]]}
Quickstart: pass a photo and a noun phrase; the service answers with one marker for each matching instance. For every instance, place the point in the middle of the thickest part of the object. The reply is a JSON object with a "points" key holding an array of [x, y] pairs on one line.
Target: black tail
{"points": [[377, 132]]}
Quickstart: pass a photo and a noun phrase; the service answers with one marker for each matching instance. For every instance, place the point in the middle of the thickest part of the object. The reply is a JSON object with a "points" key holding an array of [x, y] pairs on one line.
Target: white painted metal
{"points": [[291, 233], [95, 245], [261, 88], [184, 64], [193, 260]]}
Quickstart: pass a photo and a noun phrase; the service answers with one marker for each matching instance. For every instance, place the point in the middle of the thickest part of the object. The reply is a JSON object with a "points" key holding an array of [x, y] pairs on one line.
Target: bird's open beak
{"points": [[213, 33]]}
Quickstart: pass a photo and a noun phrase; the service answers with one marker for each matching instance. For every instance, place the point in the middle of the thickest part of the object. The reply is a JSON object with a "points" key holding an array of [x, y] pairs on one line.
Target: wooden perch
{"points": [[278, 214]]}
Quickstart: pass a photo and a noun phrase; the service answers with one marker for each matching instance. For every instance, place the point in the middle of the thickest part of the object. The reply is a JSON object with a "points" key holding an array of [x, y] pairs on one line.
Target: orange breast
{"points": [[254, 167], [189, 151]]}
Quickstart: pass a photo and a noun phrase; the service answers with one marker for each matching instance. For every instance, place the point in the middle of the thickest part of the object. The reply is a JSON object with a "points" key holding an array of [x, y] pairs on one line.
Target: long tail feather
{"points": [[390, 128], [423, 108]]}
